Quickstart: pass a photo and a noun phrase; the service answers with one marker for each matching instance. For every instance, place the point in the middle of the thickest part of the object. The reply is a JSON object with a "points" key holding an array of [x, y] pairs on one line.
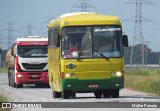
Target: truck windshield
{"points": [[92, 42], [32, 51]]}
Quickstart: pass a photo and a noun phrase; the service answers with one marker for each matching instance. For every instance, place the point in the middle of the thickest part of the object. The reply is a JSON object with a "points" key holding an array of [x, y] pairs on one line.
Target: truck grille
{"points": [[34, 66]]}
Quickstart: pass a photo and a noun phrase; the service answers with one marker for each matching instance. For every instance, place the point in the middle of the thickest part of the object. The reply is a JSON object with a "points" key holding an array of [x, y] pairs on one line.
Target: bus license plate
{"points": [[93, 85]]}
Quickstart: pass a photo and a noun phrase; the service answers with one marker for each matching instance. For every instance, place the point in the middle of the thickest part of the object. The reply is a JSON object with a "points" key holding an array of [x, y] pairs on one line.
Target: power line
{"points": [[83, 5], [138, 38], [29, 27], [44, 23]]}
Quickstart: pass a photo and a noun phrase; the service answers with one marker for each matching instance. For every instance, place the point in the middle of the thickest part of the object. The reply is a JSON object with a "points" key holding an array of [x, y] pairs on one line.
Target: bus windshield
{"points": [[92, 42], [32, 51]]}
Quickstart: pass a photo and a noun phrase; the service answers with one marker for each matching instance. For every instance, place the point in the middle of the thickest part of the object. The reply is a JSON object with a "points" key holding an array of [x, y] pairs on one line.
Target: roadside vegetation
{"points": [[3, 98], [3, 70], [143, 79]]}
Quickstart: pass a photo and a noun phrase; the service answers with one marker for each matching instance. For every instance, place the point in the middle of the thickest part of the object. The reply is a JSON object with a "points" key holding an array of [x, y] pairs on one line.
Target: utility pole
{"points": [[10, 30], [138, 38], [83, 5]]}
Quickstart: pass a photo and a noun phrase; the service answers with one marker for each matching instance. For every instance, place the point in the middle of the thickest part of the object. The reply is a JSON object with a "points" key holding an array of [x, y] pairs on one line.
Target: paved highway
{"points": [[30, 93]]}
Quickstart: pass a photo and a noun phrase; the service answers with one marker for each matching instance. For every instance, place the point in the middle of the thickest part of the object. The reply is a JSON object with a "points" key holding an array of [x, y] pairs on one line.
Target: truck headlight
{"points": [[20, 76]]}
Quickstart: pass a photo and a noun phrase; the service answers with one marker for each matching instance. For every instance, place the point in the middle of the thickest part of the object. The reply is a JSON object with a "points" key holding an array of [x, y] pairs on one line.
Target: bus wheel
{"points": [[56, 94], [66, 94], [73, 95], [98, 94], [115, 93], [107, 93]]}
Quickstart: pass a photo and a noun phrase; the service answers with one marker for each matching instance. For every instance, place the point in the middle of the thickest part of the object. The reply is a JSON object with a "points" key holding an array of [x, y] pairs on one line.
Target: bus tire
{"points": [[66, 94], [98, 94], [56, 94], [107, 93], [115, 93], [73, 95]]}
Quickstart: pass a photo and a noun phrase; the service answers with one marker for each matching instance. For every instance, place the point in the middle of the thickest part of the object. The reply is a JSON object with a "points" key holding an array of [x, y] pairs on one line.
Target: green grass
{"points": [[3, 70], [147, 80], [3, 98]]}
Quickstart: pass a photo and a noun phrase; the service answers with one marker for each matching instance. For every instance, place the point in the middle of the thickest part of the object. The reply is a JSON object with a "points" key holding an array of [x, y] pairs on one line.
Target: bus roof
{"points": [[84, 18]]}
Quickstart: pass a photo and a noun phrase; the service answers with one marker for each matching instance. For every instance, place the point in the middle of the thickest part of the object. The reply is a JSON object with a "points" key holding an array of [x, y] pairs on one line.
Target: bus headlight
{"points": [[118, 74], [67, 75], [72, 75]]}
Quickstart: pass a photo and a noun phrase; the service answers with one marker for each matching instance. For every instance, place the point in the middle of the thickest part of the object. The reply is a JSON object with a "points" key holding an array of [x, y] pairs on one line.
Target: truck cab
{"points": [[30, 61]]}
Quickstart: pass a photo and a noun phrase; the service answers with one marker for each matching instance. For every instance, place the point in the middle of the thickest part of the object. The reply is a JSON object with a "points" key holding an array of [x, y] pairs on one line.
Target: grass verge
{"points": [[146, 80], [3, 70], [3, 99]]}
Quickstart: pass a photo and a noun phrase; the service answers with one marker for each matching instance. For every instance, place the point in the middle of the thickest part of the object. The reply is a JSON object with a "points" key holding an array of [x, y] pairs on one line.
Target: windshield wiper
{"points": [[101, 54]]}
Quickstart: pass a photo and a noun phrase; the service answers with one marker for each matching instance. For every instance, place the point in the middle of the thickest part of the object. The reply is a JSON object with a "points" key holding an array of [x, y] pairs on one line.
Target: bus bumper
{"points": [[91, 85]]}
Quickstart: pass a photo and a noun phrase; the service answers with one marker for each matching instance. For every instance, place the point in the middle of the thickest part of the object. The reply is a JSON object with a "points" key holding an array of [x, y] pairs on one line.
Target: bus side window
{"points": [[56, 42], [49, 37]]}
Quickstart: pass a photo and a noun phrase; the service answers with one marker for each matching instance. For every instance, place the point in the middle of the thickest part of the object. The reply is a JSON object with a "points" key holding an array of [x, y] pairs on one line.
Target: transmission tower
{"points": [[137, 51], [10, 30], [29, 27], [83, 5]]}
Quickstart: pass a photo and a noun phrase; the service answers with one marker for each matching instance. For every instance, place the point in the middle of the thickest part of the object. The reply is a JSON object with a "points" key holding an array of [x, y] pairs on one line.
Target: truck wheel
{"points": [[19, 85], [98, 94], [66, 94], [115, 93], [13, 79], [10, 81], [107, 93]]}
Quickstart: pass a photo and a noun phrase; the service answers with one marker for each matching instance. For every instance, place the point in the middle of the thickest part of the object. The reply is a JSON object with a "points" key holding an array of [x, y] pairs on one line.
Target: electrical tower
{"points": [[10, 30], [137, 51], [83, 6], [29, 27]]}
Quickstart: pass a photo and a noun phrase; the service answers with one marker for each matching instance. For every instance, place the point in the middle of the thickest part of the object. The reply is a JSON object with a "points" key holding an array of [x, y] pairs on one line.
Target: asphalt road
{"points": [[30, 93]]}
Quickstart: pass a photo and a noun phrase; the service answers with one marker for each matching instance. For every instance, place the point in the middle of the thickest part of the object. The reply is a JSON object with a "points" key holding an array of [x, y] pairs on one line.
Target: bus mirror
{"points": [[125, 40]]}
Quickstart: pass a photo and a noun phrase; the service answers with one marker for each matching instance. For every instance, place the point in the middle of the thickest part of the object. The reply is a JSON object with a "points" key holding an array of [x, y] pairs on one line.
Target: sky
{"points": [[37, 13]]}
